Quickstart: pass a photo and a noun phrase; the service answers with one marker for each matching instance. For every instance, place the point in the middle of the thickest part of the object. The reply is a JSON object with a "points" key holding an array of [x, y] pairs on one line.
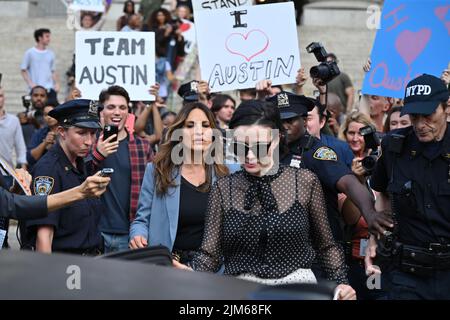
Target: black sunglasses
{"points": [[259, 149]]}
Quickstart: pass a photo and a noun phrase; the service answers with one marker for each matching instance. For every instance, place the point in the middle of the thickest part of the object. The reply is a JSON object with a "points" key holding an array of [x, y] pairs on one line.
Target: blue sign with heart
{"points": [[414, 39]]}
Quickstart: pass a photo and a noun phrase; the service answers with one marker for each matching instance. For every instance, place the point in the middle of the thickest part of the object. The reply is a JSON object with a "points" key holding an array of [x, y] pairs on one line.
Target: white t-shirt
{"points": [[40, 65]]}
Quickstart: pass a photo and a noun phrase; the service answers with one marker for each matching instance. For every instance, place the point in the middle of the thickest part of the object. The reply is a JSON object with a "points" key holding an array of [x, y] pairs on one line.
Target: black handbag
{"points": [[159, 255]]}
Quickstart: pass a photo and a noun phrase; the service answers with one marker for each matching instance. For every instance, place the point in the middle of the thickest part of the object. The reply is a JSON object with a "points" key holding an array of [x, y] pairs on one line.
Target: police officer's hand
{"points": [[371, 252], [264, 89], [107, 148], [138, 242], [345, 292], [94, 186], [378, 222]]}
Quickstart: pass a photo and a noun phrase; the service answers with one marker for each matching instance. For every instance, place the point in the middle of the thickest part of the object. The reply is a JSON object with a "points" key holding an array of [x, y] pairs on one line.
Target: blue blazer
{"points": [[157, 216]]}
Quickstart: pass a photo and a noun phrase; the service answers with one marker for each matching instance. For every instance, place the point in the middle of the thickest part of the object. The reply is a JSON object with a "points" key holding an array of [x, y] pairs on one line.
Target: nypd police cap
{"points": [[189, 91], [291, 105], [424, 94], [81, 113]]}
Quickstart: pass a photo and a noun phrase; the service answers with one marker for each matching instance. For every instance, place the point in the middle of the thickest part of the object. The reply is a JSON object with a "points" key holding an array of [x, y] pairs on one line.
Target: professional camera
{"points": [[372, 141], [326, 70], [26, 102]]}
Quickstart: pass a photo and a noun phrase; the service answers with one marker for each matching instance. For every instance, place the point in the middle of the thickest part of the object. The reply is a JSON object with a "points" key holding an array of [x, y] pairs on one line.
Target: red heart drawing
{"points": [[441, 12], [249, 45], [411, 44], [184, 27]]}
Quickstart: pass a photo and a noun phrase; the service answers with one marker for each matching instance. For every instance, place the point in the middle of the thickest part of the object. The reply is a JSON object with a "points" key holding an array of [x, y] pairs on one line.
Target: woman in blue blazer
{"points": [[174, 194]]}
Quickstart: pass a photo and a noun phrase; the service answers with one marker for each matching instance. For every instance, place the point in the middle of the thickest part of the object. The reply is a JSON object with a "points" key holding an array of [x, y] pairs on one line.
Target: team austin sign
{"points": [[126, 59], [240, 46], [414, 39]]}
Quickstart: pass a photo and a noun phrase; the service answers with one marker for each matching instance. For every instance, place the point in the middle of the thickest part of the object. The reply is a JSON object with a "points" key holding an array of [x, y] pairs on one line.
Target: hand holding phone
{"points": [[110, 130], [106, 172]]}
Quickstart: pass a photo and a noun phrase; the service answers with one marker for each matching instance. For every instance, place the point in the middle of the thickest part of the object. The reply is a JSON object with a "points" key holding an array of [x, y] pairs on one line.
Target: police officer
{"points": [[309, 152], [413, 172], [73, 229]]}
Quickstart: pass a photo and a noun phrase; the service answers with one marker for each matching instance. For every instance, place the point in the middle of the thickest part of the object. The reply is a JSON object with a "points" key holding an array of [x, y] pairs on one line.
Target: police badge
{"points": [[93, 109], [324, 153], [194, 86], [43, 185], [283, 100]]}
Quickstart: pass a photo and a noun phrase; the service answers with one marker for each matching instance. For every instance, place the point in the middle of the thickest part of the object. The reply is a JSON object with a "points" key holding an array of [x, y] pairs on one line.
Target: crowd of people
{"points": [[265, 184]]}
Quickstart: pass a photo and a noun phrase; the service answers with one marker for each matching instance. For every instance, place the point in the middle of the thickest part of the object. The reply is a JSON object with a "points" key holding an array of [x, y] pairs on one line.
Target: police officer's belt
{"points": [[423, 261]]}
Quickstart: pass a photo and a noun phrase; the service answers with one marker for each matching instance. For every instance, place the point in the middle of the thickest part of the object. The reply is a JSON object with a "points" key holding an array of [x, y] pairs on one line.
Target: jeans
{"points": [[115, 242]]}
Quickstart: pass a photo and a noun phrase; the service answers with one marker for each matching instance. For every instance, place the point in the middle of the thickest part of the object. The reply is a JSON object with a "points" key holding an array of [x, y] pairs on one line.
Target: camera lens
{"points": [[320, 72], [369, 163]]}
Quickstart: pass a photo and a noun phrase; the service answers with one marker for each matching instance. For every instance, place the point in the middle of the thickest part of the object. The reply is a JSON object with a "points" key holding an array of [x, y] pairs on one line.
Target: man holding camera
{"points": [[342, 86], [413, 172]]}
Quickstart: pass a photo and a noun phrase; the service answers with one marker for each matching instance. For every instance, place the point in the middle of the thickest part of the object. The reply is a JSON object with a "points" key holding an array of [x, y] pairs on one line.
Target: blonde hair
{"points": [[355, 116]]}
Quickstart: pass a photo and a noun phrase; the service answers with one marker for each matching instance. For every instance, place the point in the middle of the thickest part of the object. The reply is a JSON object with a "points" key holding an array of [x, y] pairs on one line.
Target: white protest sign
{"points": [[125, 59], [239, 47], [188, 32], [198, 5], [88, 5]]}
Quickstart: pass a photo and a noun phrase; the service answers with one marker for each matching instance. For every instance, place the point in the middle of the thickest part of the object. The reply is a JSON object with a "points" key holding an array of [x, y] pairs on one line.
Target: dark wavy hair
{"points": [[219, 100], [152, 22], [125, 5], [114, 91], [163, 163]]}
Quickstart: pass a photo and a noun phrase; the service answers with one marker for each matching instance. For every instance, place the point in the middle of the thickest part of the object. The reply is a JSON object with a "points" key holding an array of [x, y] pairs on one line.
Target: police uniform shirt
{"points": [[324, 162], [75, 226], [343, 151], [419, 180]]}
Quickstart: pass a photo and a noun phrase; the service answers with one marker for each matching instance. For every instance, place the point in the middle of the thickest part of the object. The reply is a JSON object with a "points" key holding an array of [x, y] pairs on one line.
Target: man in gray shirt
{"points": [[38, 66], [11, 136]]}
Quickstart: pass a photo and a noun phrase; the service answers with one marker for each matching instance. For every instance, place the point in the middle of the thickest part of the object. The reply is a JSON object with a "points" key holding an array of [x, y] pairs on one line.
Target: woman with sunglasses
{"points": [[267, 222], [175, 189]]}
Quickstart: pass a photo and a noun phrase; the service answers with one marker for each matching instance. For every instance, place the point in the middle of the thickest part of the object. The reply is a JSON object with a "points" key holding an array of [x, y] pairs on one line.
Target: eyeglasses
{"points": [[259, 149]]}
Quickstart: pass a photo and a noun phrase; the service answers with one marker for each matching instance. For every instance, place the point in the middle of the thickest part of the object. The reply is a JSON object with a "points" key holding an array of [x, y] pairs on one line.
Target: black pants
{"points": [[366, 289], [407, 286]]}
